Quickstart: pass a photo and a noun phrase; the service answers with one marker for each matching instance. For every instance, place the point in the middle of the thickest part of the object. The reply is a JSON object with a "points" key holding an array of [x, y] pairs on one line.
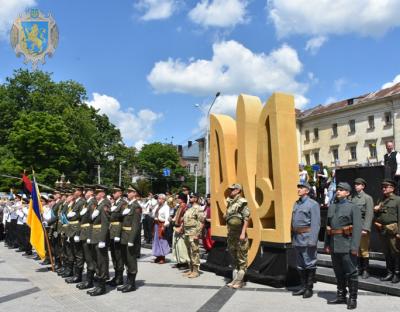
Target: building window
{"points": [[352, 126], [388, 119], [371, 122], [353, 152], [316, 134], [316, 157], [334, 130], [307, 157], [307, 134], [335, 154], [372, 150]]}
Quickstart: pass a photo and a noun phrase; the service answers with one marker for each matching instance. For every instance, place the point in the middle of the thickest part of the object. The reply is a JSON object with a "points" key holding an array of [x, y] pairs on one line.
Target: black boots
{"points": [[301, 291], [340, 294], [388, 277], [88, 283], [353, 290], [68, 272], [310, 275], [130, 284], [117, 280], [99, 290], [365, 264], [77, 278]]}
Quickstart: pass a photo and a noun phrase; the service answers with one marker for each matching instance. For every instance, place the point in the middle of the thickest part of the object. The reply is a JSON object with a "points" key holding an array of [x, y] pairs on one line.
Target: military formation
{"points": [[85, 226]]}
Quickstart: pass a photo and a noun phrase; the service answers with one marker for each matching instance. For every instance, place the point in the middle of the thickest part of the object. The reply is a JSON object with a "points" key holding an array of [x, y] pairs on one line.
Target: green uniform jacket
{"points": [[389, 212], [54, 221], [340, 214], [116, 218], [365, 203], [101, 223], [74, 226], [86, 219], [237, 210], [63, 210], [192, 220], [131, 225]]}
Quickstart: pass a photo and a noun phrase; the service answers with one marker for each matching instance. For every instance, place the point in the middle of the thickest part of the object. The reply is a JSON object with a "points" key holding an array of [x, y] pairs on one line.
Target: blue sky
{"points": [[147, 63]]}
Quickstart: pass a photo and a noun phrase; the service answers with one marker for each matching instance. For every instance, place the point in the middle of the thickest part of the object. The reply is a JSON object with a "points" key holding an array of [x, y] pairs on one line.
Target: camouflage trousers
{"points": [[192, 245], [238, 250]]}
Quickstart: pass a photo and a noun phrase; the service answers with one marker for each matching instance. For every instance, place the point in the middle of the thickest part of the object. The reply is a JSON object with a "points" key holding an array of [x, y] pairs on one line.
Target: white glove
{"points": [[76, 239], [102, 244], [71, 214], [55, 234], [95, 214], [130, 244], [83, 211], [113, 208], [44, 223], [116, 239], [68, 239], [88, 241], [126, 211]]}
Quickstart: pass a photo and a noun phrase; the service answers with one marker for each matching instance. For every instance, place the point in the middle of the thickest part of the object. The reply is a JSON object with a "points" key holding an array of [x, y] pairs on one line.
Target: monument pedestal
{"points": [[275, 264]]}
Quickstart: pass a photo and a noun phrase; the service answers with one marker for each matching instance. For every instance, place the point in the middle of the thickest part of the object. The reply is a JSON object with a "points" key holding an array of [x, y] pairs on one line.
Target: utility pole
{"points": [[98, 174], [195, 178]]}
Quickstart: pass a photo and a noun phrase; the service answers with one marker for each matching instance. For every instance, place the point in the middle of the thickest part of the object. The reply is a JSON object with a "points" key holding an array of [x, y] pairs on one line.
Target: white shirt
{"points": [[150, 206], [163, 213]]}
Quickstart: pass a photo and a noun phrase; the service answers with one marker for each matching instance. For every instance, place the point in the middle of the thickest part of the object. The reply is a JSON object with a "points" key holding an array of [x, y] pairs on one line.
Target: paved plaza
{"points": [[25, 285]]}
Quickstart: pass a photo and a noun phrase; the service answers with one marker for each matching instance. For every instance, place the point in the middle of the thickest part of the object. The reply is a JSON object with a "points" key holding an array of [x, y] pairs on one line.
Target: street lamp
{"points": [[208, 145]]}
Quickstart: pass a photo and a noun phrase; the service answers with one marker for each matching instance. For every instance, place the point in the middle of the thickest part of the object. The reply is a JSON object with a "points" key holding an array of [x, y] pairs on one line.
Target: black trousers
{"points": [[26, 238], [20, 235], [79, 258], [344, 266], [102, 260], [130, 255], [90, 259], [148, 228], [116, 256]]}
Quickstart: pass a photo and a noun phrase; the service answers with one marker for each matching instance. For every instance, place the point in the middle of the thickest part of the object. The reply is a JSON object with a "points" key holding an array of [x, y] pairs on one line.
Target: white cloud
{"points": [[219, 13], [330, 100], [156, 9], [339, 84], [391, 83], [135, 128], [314, 44], [9, 10], [325, 17], [233, 69]]}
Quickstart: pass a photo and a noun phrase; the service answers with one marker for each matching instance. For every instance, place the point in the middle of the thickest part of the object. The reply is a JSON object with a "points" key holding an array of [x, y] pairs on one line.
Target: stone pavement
{"points": [[27, 286]]}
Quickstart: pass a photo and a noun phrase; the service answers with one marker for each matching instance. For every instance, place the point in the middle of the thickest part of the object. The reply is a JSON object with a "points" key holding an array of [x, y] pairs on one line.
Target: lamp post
{"points": [[195, 178], [208, 145]]}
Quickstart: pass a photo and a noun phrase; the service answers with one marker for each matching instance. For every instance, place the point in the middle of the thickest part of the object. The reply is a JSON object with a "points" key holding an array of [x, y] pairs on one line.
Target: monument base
{"points": [[275, 265]]}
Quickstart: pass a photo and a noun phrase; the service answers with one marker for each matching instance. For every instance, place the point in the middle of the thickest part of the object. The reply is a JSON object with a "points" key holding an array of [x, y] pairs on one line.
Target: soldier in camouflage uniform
{"points": [[74, 217], [85, 234], [237, 219], [130, 239], [98, 240], [115, 236], [193, 222]]}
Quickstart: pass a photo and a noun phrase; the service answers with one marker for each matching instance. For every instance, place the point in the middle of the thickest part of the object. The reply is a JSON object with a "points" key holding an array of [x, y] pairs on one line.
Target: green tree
{"points": [[153, 158]]}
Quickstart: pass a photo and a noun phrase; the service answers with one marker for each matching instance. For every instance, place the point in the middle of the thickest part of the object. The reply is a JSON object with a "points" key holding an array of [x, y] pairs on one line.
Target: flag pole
{"points": [[46, 238]]}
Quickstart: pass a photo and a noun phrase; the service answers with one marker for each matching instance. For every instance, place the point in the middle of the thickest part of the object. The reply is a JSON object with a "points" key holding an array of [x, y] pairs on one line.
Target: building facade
{"points": [[350, 132]]}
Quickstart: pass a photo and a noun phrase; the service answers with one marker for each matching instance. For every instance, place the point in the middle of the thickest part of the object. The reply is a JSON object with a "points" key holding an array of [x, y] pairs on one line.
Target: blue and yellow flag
{"points": [[34, 221]]}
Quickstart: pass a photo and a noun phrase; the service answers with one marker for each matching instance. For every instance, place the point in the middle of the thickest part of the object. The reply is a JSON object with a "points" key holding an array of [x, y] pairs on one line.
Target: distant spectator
{"points": [[303, 174], [392, 164]]}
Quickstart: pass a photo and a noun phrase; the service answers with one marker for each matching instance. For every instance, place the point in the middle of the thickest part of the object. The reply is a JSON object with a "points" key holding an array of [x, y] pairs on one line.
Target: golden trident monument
{"points": [[258, 150]]}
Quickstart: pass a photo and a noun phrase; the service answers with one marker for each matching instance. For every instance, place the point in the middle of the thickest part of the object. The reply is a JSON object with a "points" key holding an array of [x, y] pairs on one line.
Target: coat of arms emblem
{"points": [[34, 36]]}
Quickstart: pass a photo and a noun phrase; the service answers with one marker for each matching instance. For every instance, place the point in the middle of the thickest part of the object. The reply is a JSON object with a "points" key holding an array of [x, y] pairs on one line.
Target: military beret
{"points": [[235, 186], [360, 181], [344, 186], [389, 182], [304, 184]]}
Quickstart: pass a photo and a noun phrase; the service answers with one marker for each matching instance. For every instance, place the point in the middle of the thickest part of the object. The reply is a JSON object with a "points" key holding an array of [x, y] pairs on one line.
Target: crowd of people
{"points": [[85, 225]]}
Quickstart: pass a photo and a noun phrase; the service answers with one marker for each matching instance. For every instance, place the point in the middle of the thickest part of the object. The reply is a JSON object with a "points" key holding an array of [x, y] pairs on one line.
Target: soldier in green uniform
{"points": [[387, 221], [193, 222], [237, 220], [85, 235], [67, 242], [365, 203], [342, 241], [115, 236], [53, 224], [100, 232], [74, 217], [60, 231], [130, 239]]}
